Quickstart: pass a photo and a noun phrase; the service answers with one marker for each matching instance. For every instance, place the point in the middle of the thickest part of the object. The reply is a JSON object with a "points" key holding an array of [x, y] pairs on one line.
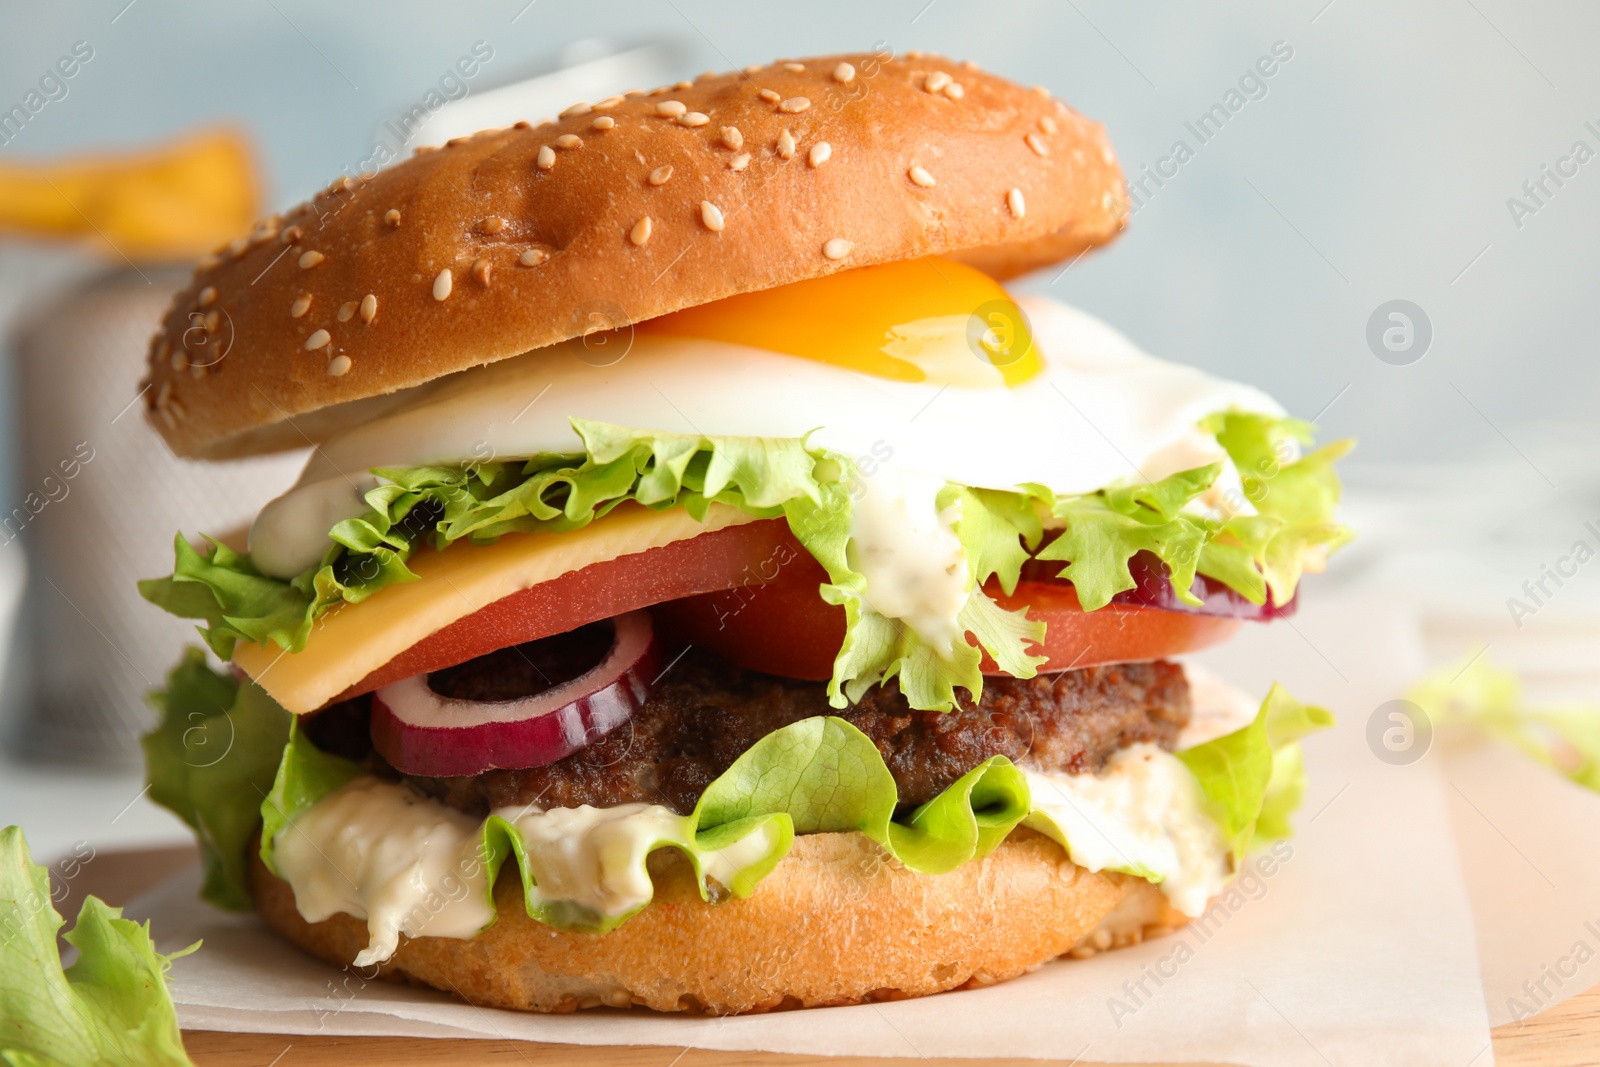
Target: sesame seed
{"points": [[921, 177], [732, 138], [310, 259], [770, 97], [1015, 203], [844, 73], [820, 153], [608, 103], [836, 248], [339, 366], [369, 308], [480, 270], [392, 217], [671, 108], [546, 158], [208, 296], [580, 108], [318, 340], [694, 118], [347, 311], [711, 215], [1048, 124], [212, 320], [237, 247], [954, 91], [915, 53], [441, 284], [755, 68], [292, 234], [1042, 91], [177, 359], [301, 305], [569, 140], [794, 68], [603, 122], [533, 257], [492, 224], [935, 81], [740, 161], [1036, 143], [786, 145], [1106, 155], [794, 105], [1105, 201], [685, 84], [660, 175], [641, 231]]}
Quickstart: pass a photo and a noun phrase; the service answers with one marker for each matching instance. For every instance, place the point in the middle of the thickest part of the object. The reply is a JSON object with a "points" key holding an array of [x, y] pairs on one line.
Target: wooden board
{"points": [[1565, 1036]]}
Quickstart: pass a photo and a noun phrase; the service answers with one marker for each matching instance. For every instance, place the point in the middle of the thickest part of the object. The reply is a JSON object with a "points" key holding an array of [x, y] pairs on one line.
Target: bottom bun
{"points": [[838, 922]]}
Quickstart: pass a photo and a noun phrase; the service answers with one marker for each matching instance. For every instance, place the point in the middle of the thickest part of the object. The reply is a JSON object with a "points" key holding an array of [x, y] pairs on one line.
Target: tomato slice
{"points": [[783, 627], [723, 559], [749, 593]]}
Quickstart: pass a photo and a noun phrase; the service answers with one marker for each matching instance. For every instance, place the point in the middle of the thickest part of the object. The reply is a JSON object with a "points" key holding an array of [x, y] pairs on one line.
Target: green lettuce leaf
{"points": [[819, 775], [876, 648], [211, 760], [109, 1008], [1487, 697], [1254, 778], [1292, 532], [765, 477]]}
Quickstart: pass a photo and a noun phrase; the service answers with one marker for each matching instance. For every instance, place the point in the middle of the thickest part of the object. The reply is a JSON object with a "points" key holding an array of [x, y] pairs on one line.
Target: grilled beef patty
{"points": [[705, 712]]}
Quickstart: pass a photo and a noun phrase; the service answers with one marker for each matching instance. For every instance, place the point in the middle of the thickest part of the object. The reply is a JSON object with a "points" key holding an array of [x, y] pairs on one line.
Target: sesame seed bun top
{"points": [[618, 211]]}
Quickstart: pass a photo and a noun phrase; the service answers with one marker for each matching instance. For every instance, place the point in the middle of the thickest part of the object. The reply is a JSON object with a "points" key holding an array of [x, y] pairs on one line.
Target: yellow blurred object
{"points": [[174, 202]]}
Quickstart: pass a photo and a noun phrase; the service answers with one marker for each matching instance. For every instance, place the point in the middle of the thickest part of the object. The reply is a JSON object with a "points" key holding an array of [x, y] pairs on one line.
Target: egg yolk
{"points": [[917, 320]]}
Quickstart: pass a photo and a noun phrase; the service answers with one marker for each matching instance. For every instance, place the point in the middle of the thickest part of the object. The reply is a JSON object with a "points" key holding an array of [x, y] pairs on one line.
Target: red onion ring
{"points": [[423, 733]]}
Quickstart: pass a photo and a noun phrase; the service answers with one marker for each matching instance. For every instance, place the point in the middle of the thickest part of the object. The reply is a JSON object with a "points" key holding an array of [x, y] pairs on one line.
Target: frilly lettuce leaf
{"points": [[1254, 778], [1489, 698], [877, 648], [766, 477], [1292, 531], [211, 760], [110, 1007]]}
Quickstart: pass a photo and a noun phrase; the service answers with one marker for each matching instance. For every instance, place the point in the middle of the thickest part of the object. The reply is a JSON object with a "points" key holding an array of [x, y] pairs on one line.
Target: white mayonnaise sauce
{"points": [[904, 547], [1101, 411], [281, 542], [1144, 811], [378, 851], [411, 865]]}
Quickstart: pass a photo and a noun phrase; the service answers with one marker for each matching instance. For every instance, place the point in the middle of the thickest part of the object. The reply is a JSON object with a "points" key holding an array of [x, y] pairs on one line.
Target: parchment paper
{"points": [[1358, 948]]}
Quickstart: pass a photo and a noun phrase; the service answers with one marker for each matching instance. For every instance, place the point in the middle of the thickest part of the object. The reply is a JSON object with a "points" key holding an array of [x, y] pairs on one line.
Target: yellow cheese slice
{"points": [[353, 640]]}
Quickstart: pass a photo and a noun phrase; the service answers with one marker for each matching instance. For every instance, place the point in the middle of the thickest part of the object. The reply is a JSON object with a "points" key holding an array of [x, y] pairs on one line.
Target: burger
{"points": [[709, 588]]}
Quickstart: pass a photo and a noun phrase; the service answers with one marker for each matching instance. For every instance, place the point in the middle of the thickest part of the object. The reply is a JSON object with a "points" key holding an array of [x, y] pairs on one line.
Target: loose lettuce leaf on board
{"points": [[109, 1009], [1485, 696]]}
